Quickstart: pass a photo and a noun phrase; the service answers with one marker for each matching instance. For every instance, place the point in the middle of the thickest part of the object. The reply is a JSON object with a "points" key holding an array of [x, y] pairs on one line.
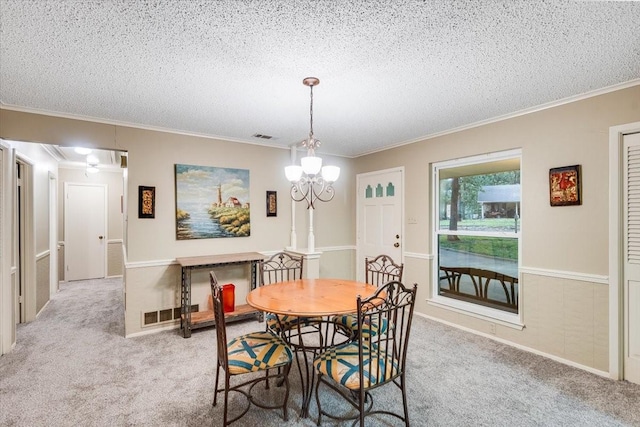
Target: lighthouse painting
{"points": [[211, 202]]}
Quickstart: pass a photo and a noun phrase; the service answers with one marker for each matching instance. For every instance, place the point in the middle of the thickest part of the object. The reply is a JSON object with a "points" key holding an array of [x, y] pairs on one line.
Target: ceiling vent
{"points": [[261, 136]]}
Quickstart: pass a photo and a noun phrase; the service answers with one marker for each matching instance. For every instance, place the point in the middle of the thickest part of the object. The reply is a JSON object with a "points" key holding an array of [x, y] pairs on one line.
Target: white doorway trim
{"points": [[616, 326], [28, 256], [7, 303], [53, 234]]}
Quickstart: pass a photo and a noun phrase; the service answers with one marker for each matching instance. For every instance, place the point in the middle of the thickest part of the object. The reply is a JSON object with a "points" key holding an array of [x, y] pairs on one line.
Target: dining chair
{"points": [[282, 267], [378, 271], [247, 354], [373, 359], [382, 269]]}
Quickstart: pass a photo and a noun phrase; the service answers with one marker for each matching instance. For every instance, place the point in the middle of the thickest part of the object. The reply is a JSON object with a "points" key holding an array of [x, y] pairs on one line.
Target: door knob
{"points": [[396, 245]]}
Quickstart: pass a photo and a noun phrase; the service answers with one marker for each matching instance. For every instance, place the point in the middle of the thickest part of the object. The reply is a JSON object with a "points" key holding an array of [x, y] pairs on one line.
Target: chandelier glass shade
{"points": [[310, 181]]}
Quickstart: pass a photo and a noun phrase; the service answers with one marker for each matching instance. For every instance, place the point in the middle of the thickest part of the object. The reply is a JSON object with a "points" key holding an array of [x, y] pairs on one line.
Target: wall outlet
{"points": [[492, 328], [412, 220]]}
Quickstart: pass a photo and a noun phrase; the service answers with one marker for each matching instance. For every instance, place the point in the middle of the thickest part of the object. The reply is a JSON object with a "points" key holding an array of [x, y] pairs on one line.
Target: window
{"points": [[477, 234]]}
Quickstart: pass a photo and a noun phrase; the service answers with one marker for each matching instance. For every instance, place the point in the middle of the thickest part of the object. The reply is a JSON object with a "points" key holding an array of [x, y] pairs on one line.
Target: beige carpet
{"points": [[72, 367]]}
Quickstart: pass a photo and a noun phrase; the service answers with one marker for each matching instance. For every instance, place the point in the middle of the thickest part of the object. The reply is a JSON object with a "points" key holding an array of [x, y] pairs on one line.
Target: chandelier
{"points": [[310, 181]]}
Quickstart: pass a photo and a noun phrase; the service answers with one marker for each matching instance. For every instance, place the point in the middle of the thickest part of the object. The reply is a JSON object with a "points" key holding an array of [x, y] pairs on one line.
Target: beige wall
{"points": [[564, 317], [43, 280], [151, 275], [564, 253]]}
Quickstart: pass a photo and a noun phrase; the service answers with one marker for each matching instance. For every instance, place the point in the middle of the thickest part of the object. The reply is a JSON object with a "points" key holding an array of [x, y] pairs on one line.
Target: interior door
{"points": [[20, 308], [631, 303], [380, 216], [85, 231]]}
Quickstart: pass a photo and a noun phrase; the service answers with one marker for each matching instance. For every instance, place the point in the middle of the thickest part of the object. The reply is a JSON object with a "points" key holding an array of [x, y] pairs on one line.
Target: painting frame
{"points": [[212, 202], [146, 201], [272, 203], [565, 186]]}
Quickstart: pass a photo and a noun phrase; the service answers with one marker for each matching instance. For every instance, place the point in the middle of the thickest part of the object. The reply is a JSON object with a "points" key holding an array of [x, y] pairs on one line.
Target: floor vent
{"points": [[164, 316]]}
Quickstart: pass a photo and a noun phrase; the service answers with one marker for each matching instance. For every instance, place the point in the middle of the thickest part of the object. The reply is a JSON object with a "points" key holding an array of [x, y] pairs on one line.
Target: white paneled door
{"points": [[85, 231], [380, 217], [631, 303]]}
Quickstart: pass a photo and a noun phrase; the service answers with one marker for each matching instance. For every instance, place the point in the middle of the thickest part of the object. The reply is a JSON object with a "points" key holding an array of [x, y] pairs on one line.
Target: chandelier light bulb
{"points": [[311, 165], [330, 173], [293, 173]]}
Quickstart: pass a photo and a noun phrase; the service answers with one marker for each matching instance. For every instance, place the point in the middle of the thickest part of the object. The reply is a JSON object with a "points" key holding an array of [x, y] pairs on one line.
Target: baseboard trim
{"points": [[555, 358], [43, 307], [153, 331]]}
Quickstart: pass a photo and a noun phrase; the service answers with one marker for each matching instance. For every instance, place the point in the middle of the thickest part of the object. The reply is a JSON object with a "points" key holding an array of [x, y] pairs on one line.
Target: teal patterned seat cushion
{"points": [[287, 322], [257, 351], [341, 364], [370, 327]]}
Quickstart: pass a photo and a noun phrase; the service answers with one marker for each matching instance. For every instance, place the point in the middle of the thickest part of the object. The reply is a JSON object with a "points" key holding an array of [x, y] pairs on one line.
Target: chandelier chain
{"points": [[311, 116]]}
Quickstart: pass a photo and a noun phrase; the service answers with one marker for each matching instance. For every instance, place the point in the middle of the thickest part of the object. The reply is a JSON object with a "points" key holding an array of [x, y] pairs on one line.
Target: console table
{"points": [[201, 319]]}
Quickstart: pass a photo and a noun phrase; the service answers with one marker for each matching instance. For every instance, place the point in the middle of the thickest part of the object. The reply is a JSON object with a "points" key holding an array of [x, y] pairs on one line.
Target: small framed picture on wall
{"points": [[565, 186], [146, 202], [272, 203]]}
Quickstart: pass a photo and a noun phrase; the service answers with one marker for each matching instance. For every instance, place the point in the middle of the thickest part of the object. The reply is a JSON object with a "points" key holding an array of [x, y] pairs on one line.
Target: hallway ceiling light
{"points": [[82, 150], [311, 181]]}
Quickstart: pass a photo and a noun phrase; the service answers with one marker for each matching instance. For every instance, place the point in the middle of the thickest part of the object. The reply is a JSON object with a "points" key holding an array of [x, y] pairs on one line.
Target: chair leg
{"points": [[361, 400], [215, 389], [318, 399], [285, 415], [226, 399], [404, 400]]}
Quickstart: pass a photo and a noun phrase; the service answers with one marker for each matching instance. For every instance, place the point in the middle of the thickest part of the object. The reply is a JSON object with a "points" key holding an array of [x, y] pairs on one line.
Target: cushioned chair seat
{"points": [[287, 322], [341, 364], [257, 351], [350, 322]]}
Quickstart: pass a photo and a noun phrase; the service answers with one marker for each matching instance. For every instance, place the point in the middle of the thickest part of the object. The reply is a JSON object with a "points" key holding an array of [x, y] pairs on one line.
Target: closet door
{"points": [[631, 294]]}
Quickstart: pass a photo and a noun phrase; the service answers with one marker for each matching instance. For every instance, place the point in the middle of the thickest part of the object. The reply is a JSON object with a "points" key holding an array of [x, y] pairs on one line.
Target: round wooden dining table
{"points": [[310, 297], [314, 298]]}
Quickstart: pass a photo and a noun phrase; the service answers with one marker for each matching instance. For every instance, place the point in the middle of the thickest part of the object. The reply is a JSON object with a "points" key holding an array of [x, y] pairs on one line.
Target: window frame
{"points": [[514, 320]]}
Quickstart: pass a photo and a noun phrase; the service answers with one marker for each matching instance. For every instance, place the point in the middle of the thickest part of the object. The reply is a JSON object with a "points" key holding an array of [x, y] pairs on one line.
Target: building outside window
{"points": [[477, 234]]}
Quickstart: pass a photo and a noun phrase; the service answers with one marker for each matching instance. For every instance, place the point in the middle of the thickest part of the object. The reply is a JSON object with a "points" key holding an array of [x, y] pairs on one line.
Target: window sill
{"points": [[509, 320]]}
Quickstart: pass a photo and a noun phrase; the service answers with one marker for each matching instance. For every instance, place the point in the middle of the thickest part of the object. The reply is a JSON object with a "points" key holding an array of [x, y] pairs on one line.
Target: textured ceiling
{"points": [[391, 71]]}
